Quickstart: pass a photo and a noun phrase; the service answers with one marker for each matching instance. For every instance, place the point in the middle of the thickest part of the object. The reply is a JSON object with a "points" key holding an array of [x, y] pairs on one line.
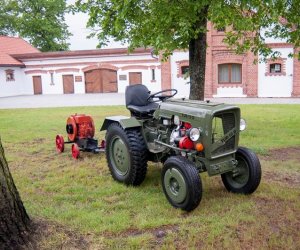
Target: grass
{"points": [[78, 205]]}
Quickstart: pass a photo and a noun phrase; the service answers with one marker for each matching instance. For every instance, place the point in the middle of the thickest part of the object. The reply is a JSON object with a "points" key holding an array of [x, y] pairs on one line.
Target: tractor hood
{"points": [[191, 108]]}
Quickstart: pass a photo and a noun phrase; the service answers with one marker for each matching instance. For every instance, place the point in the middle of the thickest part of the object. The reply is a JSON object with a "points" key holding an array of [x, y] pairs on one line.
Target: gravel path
{"points": [[42, 101]]}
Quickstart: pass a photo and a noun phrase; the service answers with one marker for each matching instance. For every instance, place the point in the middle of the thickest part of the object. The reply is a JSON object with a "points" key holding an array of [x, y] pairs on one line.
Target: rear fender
{"points": [[125, 121]]}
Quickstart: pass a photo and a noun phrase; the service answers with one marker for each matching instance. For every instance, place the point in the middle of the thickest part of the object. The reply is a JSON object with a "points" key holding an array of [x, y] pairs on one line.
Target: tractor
{"points": [[188, 137]]}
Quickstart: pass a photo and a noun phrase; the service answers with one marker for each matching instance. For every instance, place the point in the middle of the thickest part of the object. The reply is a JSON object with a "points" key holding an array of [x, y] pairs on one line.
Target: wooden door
{"points": [[135, 78], [68, 84], [37, 85], [93, 81], [109, 81]]}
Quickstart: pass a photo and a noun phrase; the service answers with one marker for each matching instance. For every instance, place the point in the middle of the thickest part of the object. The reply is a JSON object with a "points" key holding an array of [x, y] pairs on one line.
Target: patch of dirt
{"points": [[283, 154], [158, 233], [277, 226], [290, 180], [51, 235], [279, 218]]}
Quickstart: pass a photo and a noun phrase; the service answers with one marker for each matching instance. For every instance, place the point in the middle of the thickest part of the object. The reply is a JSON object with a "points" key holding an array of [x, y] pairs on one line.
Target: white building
{"points": [[26, 71]]}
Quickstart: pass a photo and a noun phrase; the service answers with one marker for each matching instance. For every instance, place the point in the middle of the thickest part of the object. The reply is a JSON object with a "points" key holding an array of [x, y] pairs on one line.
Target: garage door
{"points": [[101, 81]]}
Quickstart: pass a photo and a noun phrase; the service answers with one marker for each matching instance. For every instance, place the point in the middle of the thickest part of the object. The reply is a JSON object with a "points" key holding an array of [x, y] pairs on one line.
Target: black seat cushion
{"points": [[136, 100], [148, 109]]}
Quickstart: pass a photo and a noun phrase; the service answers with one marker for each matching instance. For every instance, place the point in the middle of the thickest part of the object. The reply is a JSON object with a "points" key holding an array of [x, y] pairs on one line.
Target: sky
{"points": [[77, 26]]}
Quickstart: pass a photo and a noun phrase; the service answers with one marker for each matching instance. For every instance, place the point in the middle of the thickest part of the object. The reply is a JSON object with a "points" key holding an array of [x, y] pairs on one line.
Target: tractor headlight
{"points": [[194, 134], [243, 124]]}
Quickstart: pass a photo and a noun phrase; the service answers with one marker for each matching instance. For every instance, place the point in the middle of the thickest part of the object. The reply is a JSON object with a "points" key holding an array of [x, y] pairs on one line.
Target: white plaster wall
{"points": [[11, 88], [153, 86], [85, 59], [229, 92], [276, 86], [79, 63], [181, 84]]}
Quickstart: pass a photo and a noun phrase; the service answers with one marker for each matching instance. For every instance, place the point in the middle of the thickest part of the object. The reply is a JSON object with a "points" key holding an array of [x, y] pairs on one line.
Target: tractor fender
{"points": [[125, 121]]}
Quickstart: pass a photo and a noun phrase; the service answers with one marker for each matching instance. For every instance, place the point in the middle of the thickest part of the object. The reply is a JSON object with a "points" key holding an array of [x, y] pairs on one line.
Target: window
{"points": [[52, 79], [184, 70], [153, 74], [230, 73], [10, 76], [275, 68]]}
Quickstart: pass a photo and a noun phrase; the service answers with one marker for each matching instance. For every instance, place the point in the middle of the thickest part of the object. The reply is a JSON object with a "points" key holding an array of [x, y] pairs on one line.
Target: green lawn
{"points": [[78, 205]]}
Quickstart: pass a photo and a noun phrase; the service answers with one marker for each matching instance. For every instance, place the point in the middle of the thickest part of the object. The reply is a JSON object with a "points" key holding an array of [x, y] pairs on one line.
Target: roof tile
{"points": [[13, 45]]}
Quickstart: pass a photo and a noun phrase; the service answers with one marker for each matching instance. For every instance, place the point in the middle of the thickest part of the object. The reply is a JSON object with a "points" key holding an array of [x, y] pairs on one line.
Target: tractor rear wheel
{"points": [[181, 183], [247, 175], [126, 154]]}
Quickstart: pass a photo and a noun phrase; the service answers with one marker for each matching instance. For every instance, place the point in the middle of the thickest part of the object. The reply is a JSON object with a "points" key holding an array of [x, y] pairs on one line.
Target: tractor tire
{"points": [[246, 178], [126, 154], [181, 183]]}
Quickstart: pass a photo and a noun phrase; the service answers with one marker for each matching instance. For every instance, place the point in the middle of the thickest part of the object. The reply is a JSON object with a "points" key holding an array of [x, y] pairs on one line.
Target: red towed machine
{"points": [[81, 130]]}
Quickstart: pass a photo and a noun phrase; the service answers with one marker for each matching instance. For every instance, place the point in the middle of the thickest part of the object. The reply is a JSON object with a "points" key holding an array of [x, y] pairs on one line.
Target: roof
{"points": [[13, 45], [76, 53]]}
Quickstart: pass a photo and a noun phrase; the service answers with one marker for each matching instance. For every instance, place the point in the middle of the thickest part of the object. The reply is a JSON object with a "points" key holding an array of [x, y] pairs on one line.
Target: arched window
{"points": [[230, 73]]}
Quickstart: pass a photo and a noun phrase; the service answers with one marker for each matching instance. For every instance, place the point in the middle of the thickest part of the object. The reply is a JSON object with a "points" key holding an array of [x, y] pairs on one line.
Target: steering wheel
{"points": [[158, 95]]}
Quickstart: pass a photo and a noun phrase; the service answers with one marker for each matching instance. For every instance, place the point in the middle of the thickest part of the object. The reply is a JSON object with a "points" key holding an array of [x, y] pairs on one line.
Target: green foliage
{"points": [[163, 25], [40, 21]]}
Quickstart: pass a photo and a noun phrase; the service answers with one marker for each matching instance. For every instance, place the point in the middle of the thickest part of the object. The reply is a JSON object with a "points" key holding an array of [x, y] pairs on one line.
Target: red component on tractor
{"points": [[186, 143]]}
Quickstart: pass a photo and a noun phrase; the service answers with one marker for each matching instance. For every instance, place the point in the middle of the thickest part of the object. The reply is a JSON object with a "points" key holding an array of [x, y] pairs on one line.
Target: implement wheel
{"points": [[60, 143], [75, 151], [181, 183], [126, 154], [247, 175]]}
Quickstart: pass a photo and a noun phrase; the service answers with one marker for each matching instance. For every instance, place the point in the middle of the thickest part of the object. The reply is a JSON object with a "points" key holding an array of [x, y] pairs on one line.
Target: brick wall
{"points": [[166, 74], [296, 75], [218, 53]]}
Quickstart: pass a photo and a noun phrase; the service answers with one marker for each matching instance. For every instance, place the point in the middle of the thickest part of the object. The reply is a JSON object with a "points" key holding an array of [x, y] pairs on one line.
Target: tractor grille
{"points": [[222, 124]]}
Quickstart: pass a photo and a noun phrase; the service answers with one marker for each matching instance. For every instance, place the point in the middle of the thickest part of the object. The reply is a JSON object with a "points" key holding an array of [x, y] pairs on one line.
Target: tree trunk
{"points": [[197, 57], [14, 221]]}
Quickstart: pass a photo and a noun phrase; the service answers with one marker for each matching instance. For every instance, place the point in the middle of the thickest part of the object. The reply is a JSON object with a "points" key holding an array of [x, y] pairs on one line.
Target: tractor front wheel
{"points": [[126, 154], [247, 174], [181, 183]]}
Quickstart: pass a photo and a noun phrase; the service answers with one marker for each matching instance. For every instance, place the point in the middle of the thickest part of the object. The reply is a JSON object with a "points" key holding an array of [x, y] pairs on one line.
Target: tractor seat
{"points": [[136, 101]]}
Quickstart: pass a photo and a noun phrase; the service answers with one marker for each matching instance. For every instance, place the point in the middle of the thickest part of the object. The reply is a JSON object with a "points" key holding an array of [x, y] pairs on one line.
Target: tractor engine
{"points": [[80, 126], [179, 136]]}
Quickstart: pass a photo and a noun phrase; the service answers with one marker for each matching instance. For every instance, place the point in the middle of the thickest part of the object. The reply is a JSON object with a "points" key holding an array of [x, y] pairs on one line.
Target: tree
{"points": [[167, 25], [40, 21], [14, 221]]}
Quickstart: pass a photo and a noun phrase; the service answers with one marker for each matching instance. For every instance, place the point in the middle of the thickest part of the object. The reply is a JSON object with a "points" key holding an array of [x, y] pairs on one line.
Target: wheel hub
{"points": [[175, 185], [240, 176], [120, 156]]}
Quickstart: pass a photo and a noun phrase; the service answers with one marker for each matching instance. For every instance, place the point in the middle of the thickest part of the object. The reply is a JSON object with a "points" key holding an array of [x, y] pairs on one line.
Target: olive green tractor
{"points": [[189, 137]]}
